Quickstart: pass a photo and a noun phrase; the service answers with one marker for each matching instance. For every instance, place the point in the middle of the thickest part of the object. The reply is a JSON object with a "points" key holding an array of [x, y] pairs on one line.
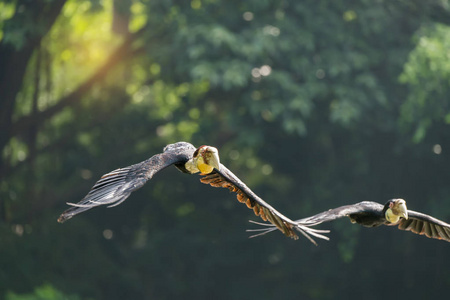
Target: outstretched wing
{"points": [[115, 187], [426, 225], [226, 179]]}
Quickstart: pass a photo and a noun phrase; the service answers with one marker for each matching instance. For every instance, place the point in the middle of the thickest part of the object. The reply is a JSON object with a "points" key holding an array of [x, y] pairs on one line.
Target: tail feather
{"points": [[304, 228]]}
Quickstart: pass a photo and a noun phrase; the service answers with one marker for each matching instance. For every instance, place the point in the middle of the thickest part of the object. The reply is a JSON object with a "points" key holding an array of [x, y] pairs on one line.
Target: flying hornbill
{"points": [[372, 214], [114, 187]]}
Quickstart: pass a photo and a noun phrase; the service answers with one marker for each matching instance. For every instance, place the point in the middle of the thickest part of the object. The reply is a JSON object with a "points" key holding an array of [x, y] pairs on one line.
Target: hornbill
{"points": [[114, 187], [372, 214]]}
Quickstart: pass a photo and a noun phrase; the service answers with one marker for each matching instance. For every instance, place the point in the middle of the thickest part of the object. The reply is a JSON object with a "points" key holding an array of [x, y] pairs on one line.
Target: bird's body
{"points": [[115, 187], [366, 213], [372, 214]]}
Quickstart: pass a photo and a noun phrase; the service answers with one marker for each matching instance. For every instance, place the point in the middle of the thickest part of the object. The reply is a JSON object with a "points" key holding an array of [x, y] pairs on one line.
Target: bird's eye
{"points": [[196, 152]]}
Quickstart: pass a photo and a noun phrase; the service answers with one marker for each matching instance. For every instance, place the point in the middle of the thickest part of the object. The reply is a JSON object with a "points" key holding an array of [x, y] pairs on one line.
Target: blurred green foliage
{"points": [[314, 104], [426, 73], [45, 292]]}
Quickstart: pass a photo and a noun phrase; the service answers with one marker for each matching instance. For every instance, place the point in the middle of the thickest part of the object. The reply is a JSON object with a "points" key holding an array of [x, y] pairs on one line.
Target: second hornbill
{"points": [[114, 187], [372, 214]]}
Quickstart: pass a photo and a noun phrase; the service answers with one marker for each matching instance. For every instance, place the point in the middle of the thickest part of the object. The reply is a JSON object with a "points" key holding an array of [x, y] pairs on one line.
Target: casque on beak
{"points": [[396, 210], [205, 159], [402, 210], [398, 207], [213, 158]]}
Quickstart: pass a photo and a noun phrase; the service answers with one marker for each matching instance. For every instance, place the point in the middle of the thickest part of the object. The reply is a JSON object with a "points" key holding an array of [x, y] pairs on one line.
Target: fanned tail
{"points": [[304, 228], [112, 188]]}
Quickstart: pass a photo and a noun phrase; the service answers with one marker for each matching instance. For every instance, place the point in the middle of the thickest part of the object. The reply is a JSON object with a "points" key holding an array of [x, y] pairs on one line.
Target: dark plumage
{"points": [[372, 214], [114, 187]]}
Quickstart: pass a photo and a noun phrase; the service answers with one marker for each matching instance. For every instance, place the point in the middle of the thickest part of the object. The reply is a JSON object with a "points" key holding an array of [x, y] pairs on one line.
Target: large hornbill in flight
{"points": [[372, 214], [114, 187]]}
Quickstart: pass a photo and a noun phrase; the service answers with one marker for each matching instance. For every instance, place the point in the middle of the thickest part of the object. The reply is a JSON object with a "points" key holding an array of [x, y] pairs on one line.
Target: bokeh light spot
{"points": [[108, 234], [247, 16], [437, 149]]}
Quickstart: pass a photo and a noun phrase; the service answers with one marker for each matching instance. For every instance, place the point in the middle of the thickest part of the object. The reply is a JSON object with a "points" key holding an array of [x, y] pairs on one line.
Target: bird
{"points": [[372, 214], [116, 186]]}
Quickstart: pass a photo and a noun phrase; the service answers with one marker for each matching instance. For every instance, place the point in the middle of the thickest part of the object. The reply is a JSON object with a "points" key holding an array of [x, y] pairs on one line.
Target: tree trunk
{"points": [[14, 61]]}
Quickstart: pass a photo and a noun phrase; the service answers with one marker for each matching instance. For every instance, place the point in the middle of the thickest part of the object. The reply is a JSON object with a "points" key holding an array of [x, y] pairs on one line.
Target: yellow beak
{"points": [[208, 160]]}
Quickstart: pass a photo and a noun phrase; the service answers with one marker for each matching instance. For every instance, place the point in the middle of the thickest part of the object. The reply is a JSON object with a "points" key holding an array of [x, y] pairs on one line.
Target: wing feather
{"points": [[226, 179], [114, 187], [423, 224]]}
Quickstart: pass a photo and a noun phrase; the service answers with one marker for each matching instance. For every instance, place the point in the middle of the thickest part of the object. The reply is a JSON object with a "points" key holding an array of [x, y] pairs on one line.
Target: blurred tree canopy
{"points": [[315, 104]]}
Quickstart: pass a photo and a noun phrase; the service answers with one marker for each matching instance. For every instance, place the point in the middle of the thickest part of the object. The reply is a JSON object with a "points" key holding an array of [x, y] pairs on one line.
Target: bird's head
{"points": [[205, 160], [395, 209]]}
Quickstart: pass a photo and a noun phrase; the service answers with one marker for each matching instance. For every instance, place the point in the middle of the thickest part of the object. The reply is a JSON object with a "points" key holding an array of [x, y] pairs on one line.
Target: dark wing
{"points": [[426, 225], [115, 187], [226, 179], [365, 207]]}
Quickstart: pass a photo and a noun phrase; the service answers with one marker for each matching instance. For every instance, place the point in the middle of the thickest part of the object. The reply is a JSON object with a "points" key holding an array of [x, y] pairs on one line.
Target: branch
{"points": [[121, 54]]}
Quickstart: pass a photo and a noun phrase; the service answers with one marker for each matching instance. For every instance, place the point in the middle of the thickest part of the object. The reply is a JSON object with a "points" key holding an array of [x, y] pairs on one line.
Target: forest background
{"points": [[314, 104]]}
